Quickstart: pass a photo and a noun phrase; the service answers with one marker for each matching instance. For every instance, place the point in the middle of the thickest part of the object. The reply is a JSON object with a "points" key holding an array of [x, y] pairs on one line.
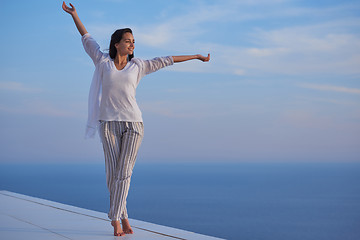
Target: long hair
{"points": [[115, 38]]}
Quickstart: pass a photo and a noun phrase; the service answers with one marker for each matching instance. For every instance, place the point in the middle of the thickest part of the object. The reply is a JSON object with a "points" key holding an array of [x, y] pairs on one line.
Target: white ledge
{"points": [[29, 218]]}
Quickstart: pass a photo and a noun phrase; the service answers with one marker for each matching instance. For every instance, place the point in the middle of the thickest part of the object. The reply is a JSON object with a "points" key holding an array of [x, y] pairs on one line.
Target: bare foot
{"points": [[126, 226], [117, 228]]}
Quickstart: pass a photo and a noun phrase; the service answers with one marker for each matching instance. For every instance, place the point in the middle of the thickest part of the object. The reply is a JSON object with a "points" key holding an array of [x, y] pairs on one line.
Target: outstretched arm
{"points": [[190, 57], [72, 11]]}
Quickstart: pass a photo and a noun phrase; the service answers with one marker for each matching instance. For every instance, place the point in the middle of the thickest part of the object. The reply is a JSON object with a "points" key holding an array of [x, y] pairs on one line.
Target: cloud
{"points": [[324, 47], [40, 108], [321, 40], [266, 52], [35, 102], [312, 100], [18, 87], [304, 50], [330, 88], [172, 109], [186, 109]]}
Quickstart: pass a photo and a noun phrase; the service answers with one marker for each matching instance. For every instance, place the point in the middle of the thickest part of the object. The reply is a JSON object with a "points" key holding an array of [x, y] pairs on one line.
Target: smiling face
{"points": [[126, 45]]}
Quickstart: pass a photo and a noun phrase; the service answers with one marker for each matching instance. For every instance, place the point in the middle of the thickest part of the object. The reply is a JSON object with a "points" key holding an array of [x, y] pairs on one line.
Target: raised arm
{"points": [[191, 57], [72, 11]]}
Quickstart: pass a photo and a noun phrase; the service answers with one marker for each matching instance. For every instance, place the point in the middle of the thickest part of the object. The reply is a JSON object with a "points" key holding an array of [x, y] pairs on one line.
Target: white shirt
{"points": [[117, 100]]}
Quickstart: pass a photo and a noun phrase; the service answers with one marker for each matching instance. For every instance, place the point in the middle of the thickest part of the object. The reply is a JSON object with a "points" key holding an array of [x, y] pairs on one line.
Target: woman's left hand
{"points": [[203, 58], [184, 58]]}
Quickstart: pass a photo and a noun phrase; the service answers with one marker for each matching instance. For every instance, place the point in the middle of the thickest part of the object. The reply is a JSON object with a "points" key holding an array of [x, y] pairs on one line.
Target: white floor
{"points": [[28, 218]]}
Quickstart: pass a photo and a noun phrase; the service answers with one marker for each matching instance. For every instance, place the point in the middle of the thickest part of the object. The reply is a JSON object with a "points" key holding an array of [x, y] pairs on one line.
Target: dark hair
{"points": [[115, 38]]}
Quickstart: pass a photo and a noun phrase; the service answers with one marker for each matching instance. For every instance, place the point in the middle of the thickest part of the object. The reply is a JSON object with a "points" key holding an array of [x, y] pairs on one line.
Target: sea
{"points": [[246, 200]]}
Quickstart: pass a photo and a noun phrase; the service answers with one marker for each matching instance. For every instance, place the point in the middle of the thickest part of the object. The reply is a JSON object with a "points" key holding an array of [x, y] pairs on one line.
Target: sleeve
{"points": [[92, 48], [150, 66]]}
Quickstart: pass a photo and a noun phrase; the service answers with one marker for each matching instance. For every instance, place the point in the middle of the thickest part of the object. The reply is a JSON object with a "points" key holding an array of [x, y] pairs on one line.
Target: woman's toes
{"points": [[117, 228], [119, 234], [128, 231]]}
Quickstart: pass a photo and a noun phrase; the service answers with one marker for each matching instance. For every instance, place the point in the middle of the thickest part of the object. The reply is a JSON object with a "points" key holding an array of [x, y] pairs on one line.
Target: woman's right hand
{"points": [[70, 10]]}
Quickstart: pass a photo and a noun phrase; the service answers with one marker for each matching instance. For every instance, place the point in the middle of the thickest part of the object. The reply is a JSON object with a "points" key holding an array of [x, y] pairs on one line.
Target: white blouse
{"points": [[112, 92]]}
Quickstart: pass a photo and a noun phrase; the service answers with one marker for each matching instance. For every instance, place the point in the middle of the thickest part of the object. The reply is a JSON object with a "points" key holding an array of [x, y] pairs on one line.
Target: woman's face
{"points": [[126, 45]]}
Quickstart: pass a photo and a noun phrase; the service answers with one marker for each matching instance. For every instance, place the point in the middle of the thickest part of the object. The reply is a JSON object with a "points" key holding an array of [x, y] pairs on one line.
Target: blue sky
{"points": [[282, 85]]}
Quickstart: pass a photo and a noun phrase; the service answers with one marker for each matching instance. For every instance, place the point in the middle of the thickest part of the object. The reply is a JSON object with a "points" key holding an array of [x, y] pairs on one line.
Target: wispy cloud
{"points": [[326, 44], [18, 87], [330, 88], [40, 108], [311, 100], [177, 110], [171, 110], [34, 103], [306, 119], [320, 47]]}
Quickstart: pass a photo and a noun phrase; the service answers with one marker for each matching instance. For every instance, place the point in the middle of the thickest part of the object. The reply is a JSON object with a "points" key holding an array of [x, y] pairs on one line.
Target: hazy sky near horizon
{"points": [[283, 83]]}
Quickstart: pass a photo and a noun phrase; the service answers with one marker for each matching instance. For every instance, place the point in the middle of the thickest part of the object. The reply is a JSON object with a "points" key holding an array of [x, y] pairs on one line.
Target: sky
{"points": [[283, 83]]}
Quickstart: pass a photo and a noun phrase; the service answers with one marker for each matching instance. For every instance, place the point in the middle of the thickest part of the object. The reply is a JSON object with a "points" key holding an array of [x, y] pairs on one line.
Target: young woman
{"points": [[114, 112]]}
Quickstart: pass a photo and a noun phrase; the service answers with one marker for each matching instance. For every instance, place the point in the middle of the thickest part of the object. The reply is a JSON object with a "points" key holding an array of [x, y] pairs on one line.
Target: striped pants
{"points": [[121, 142]]}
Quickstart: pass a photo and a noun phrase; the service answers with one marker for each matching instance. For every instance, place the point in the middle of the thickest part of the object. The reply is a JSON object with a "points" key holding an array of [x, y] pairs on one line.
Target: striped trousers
{"points": [[121, 142]]}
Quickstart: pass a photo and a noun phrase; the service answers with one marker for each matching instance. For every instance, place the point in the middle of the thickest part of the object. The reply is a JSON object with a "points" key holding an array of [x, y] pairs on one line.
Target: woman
{"points": [[114, 111]]}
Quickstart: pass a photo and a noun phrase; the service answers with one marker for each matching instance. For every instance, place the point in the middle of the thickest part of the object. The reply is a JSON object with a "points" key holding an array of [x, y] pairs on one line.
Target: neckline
{"points": [[113, 63]]}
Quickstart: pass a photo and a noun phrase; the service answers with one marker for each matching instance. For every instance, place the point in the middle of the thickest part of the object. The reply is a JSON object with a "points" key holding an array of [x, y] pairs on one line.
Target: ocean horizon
{"points": [[262, 201]]}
